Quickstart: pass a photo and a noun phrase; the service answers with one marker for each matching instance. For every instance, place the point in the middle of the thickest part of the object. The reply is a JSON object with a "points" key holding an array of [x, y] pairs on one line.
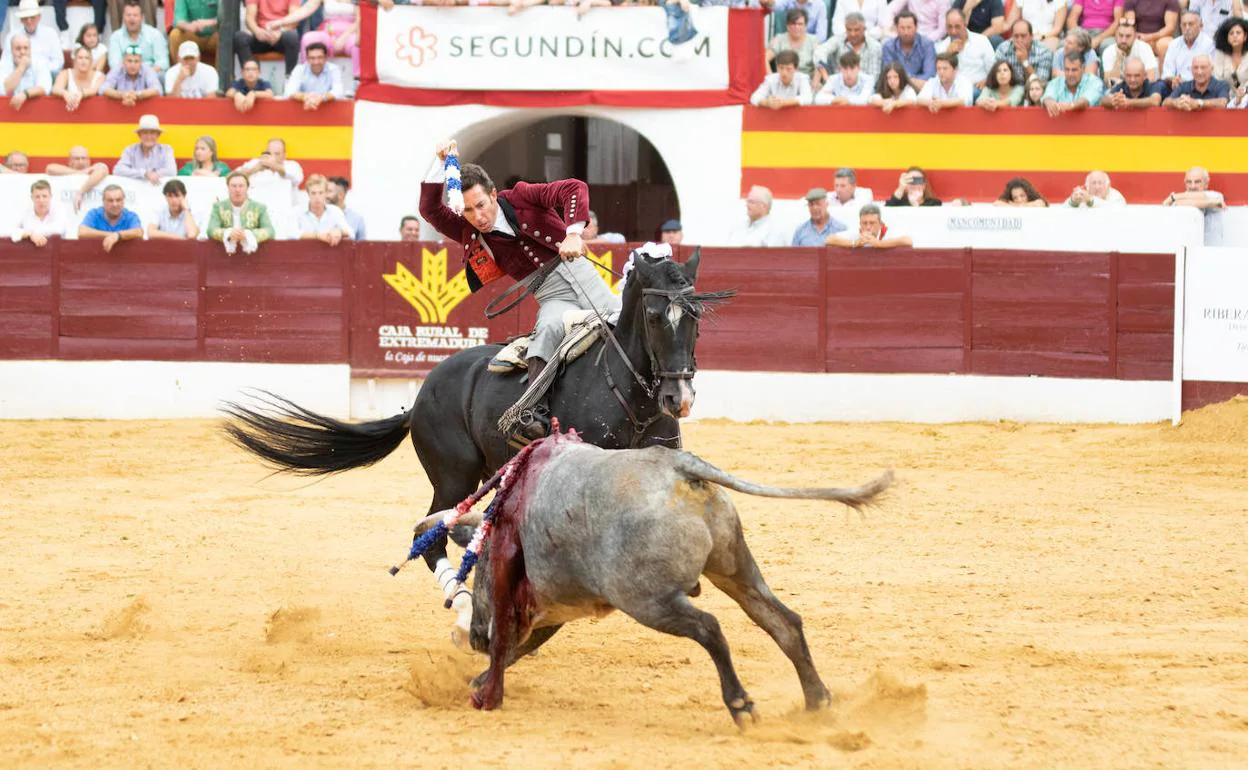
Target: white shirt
{"points": [[771, 86], [961, 89], [51, 225], [45, 44], [875, 12], [294, 174], [758, 233], [200, 84], [859, 93], [329, 81], [976, 57], [1040, 13], [330, 219], [1179, 56], [1212, 13], [1113, 61], [35, 76], [1112, 198]]}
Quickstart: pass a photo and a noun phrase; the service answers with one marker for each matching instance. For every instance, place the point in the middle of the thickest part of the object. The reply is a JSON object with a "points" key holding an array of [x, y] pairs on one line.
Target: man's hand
{"points": [[1054, 109], [18, 100], [1118, 100], [152, 177], [311, 101], [1079, 196], [386, 4], [38, 240], [572, 247], [130, 98], [236, 235], [933, 105], [443, 149], [111, 240], [331, 237], [868, 239]]}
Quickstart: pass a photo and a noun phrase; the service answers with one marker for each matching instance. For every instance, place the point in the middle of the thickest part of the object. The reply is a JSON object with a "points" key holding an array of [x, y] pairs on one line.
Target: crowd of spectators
{"points": [[1062, 57]]}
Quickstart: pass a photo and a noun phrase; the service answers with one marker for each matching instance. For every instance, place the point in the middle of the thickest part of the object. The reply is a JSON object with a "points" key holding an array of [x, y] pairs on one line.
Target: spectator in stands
{"points": [[79, 162], [195, 21], [913, 189], [239, 221], [816, 230], [915, 52], [339, 186], [1229, 62], [873, 12], [317, 82], [872, 232], [22, 76], [758, 230], [249, 88], [1095, 192], [116, 12], [204, 161], [174, 220], [16, 162], [816, 15], [592, 233], [1135, 91], [847, 86], [409, 228], [1099, 18], [1028, 57], [1177, 64], [847, 197], [795, 39], [273, 165], [1075, 91], [1215, 13], [786, 87], [1127, 45], [869, 50], [89, 38], [1196, 194], [1020, 193], [150, 41], [42, 220], [112, 222], [892, 90], [1034, 92], [62, 22], [1003, 88], [339, 32], [45, 45], [321, 220], [1155, 21], [930, 15], [268, 28], [133, 81], [1080, 41], [671, 232], [1047, 19], [947, 89], [78, 82], [975, 54], [987, 17], [1202, 92], [147, 158], [192, 79]]}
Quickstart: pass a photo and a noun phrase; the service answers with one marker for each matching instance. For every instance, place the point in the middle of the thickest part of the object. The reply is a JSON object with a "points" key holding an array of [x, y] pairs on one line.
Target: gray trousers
{"points": [[574, 285]]}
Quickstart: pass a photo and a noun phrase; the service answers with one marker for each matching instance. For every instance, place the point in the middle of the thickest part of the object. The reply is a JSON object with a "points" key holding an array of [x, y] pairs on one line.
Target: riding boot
{"points": [[535, 421]]}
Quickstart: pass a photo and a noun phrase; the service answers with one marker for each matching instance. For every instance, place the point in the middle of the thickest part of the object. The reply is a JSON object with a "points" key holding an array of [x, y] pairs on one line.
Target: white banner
{"points": [[548, 49], [1215, 315]]}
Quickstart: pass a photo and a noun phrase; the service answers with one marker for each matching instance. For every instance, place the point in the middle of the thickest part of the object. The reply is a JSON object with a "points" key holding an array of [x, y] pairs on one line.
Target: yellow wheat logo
{"points": [[603, 264], [433, 296]]}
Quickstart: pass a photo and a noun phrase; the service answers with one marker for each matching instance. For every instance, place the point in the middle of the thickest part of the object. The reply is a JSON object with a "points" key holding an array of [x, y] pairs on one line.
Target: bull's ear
{"points": [[691, 267]]}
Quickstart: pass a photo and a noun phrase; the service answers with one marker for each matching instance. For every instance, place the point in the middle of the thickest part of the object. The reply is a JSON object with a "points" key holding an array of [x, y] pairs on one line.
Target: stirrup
{"points": [[534, 423]]}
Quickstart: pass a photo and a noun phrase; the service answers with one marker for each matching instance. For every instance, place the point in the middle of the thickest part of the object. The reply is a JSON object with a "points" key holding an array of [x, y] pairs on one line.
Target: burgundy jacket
{"points": [[534, 212]]}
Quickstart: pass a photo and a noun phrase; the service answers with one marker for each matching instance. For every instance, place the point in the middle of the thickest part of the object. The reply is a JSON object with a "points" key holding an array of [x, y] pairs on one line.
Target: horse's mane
{"points": [[695, 302]]}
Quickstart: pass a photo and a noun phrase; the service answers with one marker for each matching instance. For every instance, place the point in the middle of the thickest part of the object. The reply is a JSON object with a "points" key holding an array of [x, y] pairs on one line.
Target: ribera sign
{"points": [[548, 49]]}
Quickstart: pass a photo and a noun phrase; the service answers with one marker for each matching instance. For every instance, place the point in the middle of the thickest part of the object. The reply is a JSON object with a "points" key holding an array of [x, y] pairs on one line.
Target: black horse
{"points": [[623, 393]]}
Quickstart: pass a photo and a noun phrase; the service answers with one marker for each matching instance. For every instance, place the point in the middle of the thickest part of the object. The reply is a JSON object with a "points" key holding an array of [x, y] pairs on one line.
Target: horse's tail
{"points": [[295, 440], [855, 497]]}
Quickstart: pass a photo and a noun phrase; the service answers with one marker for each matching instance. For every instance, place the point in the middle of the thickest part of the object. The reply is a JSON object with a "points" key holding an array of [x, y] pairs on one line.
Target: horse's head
{"points": [[665, 312]]}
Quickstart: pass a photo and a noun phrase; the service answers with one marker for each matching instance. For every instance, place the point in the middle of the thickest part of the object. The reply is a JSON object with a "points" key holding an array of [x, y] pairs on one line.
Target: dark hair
{"points": [[129, 3], [240, 175], [881, 85], [406, 219], [1021, 20], [317, 46], [786, 57], [40, 184], [83, 32], [795, 14], [341, 181], [849, 59], [1073, 56], [1019, 183], [471, 175], [174, 186], [906, 14], [992, 83], [1221, 38], [948, 56], [927, 183]]}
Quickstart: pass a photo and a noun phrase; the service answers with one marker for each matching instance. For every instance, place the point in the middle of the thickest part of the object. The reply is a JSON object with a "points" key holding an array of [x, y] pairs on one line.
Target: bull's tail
{"points": [[855, 497], [295, 440]]}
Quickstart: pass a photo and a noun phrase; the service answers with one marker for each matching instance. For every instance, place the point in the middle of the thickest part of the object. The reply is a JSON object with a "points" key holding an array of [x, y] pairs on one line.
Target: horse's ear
{"points": [[691, 267]]}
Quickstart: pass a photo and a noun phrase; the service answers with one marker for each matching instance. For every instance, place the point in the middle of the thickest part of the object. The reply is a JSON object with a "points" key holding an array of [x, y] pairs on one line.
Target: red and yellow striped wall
{"points": [[319, 140], [971, 153]]}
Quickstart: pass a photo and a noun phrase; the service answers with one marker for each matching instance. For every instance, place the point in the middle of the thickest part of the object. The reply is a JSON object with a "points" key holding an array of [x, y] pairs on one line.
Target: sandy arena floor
{"points": [[1029, 596]]}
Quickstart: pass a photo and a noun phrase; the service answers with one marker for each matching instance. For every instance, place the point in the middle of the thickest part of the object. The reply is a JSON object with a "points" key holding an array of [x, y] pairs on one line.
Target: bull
{"points": [[585, 531]]}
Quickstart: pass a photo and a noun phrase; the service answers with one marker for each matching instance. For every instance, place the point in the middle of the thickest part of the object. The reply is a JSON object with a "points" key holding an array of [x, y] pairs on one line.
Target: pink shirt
{"points": [[1098, 14], [272, 10], [929, 13]]}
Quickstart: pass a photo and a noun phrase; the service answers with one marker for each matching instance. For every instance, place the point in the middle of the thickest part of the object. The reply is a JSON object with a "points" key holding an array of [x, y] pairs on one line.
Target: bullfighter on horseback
{"points": [[516, 233]]}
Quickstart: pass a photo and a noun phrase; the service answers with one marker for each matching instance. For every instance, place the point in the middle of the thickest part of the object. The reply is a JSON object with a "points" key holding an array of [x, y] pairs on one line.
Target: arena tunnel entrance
{"points": [[631, 188]]}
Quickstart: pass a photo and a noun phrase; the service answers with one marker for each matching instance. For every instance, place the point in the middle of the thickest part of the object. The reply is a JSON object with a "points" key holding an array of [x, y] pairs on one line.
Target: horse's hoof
{"points": [[739, 709]]}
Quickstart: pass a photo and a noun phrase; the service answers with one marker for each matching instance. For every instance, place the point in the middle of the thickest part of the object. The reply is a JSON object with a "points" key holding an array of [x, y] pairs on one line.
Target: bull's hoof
{"points": [[740, 709], [819, 701], [485, 702]]}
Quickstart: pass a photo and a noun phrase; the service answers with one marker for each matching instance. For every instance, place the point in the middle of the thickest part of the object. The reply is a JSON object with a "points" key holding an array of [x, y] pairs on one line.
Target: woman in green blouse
{"points": [[1002, 88], [204, 162]]}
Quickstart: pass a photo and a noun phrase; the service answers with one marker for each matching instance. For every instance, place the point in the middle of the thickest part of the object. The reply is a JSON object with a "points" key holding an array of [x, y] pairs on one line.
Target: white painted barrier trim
{"points": [[1180, 291]]}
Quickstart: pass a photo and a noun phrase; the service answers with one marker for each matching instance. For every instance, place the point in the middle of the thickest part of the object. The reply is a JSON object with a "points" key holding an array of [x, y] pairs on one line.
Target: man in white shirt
{"points": [[1127, 45], [975, 52], [1095, 192], [786, 87], [1196, 194], [321, 220], [273, 165], [847, 197], [947, 89], [42, 220], [23, 76], [1177, 66], [1214, 12], [174, 220], [192, 79], [45, 43], [758, 229], [847, 86]]}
